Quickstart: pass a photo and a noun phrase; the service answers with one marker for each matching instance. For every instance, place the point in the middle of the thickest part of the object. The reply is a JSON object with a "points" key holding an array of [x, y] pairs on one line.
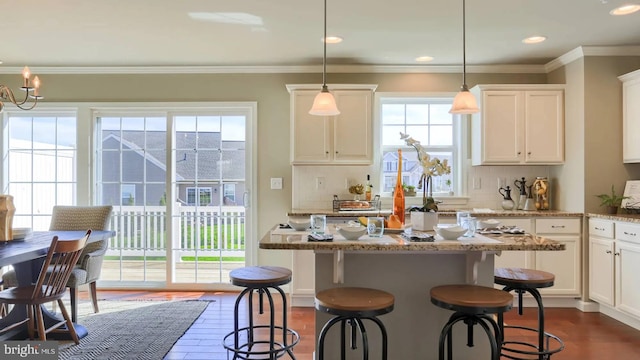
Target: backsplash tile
{"points": [[336, 179]]}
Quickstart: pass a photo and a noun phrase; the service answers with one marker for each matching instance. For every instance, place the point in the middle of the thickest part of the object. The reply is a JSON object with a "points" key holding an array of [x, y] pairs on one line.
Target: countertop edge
{"points": [[634, 218], [497, 214]]}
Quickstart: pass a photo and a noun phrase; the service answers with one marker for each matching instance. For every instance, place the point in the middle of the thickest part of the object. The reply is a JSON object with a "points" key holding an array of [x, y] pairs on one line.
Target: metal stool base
{"points": [[512, 353], [245, 350]]}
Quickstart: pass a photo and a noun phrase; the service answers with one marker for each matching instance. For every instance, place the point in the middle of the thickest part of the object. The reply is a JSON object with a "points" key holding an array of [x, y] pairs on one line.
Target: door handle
{"points": [[245, 199]]}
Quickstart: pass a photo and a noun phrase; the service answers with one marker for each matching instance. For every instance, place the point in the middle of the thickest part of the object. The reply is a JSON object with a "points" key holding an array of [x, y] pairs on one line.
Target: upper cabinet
{"points": [[631, 117], [343, 139], [518, 124]]}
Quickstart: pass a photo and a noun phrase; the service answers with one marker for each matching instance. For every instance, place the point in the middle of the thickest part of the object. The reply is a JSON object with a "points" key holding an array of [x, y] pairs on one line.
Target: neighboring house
{"points": [[411, 171], [208, 171]]}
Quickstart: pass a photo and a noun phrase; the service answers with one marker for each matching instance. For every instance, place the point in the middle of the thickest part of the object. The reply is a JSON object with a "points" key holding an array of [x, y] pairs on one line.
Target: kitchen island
{"points": [[408, 270]]}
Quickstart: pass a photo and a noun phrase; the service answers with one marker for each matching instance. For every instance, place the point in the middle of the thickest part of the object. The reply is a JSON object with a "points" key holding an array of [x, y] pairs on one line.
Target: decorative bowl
{"points": [[299, 225], [488, 224], [352, 232], [450, 232]]}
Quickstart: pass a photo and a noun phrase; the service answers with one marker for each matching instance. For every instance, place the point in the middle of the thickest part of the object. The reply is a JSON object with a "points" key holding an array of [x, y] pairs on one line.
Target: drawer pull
{"points": [[608, 251], [557, 226], [630, 234], [616, 254], [599, 229]]}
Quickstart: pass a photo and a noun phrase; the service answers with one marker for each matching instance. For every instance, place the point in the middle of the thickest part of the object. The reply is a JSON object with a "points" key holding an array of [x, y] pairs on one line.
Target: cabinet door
{"points": [[631, 119], [544, 126], [353, 127], [310, 134], [498, 130], [565, 265], [601, 285], [627, 270]]}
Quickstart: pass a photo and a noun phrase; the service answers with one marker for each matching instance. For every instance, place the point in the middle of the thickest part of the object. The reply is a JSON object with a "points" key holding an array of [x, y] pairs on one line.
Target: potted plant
{"points": [[611, 201], [409, 190], [424, 218]]}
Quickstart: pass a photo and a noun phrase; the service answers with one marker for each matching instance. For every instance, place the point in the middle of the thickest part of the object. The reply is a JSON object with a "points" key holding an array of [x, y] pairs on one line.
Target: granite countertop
{"points": [[288, 239], [634, 218], [443, 213]]}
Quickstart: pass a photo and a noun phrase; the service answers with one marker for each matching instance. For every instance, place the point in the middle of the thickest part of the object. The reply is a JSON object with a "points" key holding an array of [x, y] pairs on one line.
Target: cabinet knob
{"points": [[608, 251], [630, 234], [616, 254], [327, 152], [336, 152], [529, 153], [519, 152]]}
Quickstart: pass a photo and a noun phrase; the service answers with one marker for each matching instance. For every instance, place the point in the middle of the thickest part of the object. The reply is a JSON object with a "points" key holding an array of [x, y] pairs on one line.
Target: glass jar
{"points": [[541, 193]]}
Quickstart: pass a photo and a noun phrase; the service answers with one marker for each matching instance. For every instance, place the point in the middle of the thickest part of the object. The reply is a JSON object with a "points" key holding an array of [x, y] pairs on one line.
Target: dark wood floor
{"points": [[586, 335]]}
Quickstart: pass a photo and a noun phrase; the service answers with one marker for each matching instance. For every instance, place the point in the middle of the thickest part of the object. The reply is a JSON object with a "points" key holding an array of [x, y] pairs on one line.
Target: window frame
{"points": [[458, 148]]}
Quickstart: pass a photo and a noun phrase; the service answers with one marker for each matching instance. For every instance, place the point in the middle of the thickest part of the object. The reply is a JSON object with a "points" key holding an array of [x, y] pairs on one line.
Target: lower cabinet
{"points": [[614, 264], [565, 265]]}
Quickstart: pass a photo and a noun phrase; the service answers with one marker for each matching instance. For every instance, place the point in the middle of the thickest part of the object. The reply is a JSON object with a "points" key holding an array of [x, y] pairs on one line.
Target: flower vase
{"points": [[423, 221]]}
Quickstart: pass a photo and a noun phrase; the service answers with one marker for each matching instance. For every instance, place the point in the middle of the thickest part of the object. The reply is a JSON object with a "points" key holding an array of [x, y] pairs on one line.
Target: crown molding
{"points": [[378, 69], [583, 51]]}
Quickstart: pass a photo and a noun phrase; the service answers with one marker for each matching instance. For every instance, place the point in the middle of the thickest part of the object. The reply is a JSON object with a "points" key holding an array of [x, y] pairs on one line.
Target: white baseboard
{"points": [[620, 316], [302, 300]]}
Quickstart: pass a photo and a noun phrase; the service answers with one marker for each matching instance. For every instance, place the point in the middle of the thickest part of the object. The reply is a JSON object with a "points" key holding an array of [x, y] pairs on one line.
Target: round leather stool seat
{"points": [[474, 305], [523, 278], [351, 305], [259, 276]]}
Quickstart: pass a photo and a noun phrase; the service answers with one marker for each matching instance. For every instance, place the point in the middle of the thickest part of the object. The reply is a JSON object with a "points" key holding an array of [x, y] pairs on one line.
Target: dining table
{"points": [[27, 257]]}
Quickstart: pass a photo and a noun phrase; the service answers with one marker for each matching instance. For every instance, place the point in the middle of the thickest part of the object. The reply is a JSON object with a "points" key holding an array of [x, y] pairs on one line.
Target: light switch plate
{"points": [[276, 183]]}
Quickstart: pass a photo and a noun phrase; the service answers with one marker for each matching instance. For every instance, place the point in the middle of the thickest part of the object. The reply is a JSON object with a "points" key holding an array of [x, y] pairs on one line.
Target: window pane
{"points": [[417, 113], [440, 114], [441, 135], [391, 135], [392, 114], [420, 133]]}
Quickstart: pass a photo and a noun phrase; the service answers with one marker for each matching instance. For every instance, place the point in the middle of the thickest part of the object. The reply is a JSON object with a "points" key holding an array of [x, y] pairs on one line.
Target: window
{"points": [[229, 194], [40, 164], [203, 198], [426, 120], [128, 194]]}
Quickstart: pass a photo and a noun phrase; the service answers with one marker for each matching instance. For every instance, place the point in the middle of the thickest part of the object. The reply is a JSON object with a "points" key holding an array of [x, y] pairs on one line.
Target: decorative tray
{"points": [[355, 205]]}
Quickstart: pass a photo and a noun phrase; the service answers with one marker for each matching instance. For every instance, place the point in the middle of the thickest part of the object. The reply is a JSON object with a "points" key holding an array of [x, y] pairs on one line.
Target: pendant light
{"points": [[324, 104], [464, 102]]}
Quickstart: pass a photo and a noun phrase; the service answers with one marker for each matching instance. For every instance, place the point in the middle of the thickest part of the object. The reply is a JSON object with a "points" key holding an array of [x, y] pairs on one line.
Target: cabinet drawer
{"points": [[601, 228], [558, 226], [628, 232]]}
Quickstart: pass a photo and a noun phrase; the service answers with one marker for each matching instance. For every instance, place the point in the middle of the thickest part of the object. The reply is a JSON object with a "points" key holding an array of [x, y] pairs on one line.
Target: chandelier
{"points": [[31, 89]]}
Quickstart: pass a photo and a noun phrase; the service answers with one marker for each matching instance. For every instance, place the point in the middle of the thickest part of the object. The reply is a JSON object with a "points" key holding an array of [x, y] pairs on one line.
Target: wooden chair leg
{"points": [[73, 295], [72, 329], [42, 332], [94, 296], [31, 321]]}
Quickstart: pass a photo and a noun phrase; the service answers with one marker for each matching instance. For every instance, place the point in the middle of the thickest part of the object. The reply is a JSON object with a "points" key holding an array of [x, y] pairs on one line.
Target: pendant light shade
{"points": [[324, 104], [464, 102]]}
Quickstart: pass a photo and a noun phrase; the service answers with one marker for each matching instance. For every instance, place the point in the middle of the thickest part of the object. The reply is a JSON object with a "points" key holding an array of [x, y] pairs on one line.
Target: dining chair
{"points": [[51, 285], [87, 271]]}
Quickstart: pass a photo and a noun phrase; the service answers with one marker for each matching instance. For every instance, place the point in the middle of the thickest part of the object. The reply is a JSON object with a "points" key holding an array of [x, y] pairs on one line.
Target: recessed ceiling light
{"points": [[625, 9], [333, 39], [534, 39], [424, 58]]}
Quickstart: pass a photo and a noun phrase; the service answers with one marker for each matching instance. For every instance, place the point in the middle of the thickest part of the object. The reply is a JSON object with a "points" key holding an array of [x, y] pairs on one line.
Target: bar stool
{"points": [[521, 281], [247, 340], [472, 304], [352, 305]]}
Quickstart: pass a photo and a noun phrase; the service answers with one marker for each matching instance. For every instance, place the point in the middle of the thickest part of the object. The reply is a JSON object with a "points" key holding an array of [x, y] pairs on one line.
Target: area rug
{"points": [[132, 329]]}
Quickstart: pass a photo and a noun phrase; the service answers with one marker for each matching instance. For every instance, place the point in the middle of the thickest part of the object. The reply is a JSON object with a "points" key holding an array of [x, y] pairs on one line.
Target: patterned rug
{"points": [[132, 329]]}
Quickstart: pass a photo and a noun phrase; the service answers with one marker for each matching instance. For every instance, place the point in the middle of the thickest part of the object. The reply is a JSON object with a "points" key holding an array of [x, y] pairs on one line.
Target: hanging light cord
{"points": [[324, 56], [464, 47]]}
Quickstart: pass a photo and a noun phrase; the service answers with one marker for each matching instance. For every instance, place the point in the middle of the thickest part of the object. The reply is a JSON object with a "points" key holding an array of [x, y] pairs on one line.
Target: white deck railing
{"points": [[201, 231]]}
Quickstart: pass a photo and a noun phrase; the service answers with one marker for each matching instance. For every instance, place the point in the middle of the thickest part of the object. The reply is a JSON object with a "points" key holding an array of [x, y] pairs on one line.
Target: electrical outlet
{"points": [[276, 183], [321, 183], [477, 183]]}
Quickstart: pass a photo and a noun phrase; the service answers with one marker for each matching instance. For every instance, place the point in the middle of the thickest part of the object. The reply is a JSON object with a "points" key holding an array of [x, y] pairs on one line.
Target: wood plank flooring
{"points": [[586, 335]]}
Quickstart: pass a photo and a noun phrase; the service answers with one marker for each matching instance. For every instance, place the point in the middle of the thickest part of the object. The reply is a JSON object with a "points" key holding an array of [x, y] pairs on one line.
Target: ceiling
{"points": [[97, 33]]}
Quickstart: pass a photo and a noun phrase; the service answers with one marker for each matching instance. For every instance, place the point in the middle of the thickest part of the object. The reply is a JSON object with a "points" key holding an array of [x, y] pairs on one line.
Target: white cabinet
{"points": [[614, 262], [565, 265], [343, 139], [518, 124], [630, 117]]}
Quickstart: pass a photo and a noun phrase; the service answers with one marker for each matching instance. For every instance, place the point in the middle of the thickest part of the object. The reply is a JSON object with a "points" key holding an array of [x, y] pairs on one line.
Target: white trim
{"points": [[294, 69], [520, 87], [583, 51]]}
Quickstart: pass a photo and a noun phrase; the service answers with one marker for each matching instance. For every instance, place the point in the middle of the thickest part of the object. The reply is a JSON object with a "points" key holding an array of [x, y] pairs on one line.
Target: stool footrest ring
{"points": [[512, 353], [245, 348]]}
